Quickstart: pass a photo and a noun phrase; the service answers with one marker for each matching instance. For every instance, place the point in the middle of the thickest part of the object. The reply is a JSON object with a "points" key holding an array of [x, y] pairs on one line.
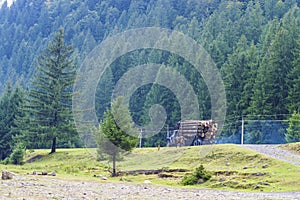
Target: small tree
{"points": [[293, 131], [111, 137], [17, 156]]}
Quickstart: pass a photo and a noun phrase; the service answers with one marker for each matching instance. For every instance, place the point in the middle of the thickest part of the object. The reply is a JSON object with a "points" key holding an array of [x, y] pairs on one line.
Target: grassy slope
{"points": [[233, 167]]}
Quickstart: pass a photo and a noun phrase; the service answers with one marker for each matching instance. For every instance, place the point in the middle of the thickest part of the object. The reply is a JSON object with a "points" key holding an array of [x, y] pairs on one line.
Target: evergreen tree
{"points": [[249, 75], [49, 99], [111, 137], [233, 71], [253, 21], [238, 75], [272, 85], [293, 77], [17, 156], [10, 102], [293, 131], [294, 89], [103, 93], [270, 26], [5, 138]]}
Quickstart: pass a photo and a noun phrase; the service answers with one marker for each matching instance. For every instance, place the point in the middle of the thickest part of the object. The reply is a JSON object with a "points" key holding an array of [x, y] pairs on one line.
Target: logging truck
{"points": [[193, 133]]}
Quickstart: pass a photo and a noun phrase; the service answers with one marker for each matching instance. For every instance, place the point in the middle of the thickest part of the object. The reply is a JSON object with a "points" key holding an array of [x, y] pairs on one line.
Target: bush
{"points": [[17, 156], [199, 173], [189, 180], [6, 161]]}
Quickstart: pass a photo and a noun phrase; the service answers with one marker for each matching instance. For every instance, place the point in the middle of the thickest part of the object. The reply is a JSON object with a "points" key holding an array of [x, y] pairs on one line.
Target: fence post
{"points": [[242, 136]]}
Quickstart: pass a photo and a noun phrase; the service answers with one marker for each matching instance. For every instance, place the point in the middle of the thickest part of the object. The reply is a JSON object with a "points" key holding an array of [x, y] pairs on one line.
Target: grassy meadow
{"points": [[233, 167]]}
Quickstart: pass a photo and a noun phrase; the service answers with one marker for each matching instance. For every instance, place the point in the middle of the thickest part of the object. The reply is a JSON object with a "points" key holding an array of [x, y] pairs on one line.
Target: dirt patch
{"points": [[150, 172], [34, 158], [168, 175], [226, 173]]}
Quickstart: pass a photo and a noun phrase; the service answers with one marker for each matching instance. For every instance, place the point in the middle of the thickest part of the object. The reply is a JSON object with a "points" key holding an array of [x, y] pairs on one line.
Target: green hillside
{"points": [[255, 45], [232, 167]]}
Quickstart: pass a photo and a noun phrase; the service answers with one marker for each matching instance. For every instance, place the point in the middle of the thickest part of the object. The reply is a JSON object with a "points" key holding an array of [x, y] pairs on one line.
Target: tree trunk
{"points": [[114, 166], [53, 149]]}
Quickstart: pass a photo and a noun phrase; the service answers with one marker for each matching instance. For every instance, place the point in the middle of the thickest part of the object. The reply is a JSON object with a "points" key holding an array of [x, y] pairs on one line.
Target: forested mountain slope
{"points": [[255, 44]]}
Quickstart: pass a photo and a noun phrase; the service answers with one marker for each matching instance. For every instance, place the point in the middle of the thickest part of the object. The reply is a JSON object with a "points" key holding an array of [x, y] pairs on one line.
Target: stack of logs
{"points": [[188, 129]]}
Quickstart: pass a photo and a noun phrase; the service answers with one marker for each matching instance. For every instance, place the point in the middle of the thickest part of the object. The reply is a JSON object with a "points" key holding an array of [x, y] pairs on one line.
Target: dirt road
{"points": [[32, 187], [275, 152]]}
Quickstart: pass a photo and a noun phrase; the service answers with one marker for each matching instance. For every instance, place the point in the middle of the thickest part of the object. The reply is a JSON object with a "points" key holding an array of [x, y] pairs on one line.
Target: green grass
{"points": [[66, 162], [232, 167]]}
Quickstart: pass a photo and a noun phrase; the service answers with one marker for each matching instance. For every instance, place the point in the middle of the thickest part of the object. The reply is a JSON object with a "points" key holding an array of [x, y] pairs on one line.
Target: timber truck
{"points": [[197, 132]]}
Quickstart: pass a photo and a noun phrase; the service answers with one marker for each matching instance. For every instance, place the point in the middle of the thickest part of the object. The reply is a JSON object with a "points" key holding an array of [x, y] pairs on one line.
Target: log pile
{"points": [[189, 128]]}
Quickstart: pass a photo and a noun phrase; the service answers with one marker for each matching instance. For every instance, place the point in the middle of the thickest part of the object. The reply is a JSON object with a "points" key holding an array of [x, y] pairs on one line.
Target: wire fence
{"points": [[256, 129]]}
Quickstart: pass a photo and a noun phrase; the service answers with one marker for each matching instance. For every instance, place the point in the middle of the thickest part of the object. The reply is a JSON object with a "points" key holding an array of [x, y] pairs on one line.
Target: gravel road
{"points": [[33, 187], [275, 152]]}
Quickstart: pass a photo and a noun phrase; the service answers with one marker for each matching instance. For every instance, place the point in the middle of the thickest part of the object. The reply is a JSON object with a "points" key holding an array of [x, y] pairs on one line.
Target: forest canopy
{"points": [[255, 45]]}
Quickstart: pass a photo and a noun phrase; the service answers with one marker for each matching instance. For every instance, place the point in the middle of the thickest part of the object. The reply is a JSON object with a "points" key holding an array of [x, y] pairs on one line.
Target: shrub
{"points": [[6, 161], [189, 180], [17, 156], [199, 173]]}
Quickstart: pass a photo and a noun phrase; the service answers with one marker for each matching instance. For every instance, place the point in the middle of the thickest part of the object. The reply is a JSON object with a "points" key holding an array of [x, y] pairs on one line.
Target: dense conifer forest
{"points": [[254, 43]]}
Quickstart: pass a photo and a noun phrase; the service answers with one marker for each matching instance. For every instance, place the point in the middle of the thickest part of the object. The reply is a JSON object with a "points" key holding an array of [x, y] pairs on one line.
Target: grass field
{"points": [[232, 167]]}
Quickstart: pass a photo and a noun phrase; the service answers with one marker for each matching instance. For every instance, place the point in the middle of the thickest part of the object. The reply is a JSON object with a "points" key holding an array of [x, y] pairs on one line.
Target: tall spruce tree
{"points": [[272, 84], [50, 96], [294, 90], [4, 129], [238, 75], [293, 99]]}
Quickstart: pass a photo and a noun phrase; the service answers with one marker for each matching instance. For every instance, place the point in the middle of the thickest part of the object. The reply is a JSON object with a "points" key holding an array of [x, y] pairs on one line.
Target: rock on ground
{"points": [[6, 175]]}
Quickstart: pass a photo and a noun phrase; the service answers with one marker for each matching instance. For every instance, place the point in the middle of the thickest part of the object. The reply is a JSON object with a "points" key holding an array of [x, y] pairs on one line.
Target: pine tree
{"points": [[294, 90], [5, 138], [271, 87], [293, 131], [232, 72], [9, 107], [253, 22], [238, 75], [103, 93], [111, 137], [49, 99], [293, 99]]}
